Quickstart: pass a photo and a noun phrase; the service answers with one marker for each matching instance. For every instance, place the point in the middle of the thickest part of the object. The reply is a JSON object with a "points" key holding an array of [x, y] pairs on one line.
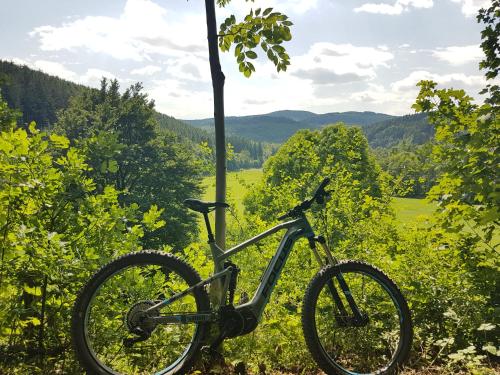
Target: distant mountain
{"points": [[278, 126], [292, 115], [348, 118]]}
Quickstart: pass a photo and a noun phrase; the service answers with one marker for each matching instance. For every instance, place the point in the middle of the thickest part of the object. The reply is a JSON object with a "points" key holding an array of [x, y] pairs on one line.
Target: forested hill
{"points": [[278, 126], [37, 95], [413, 128], [381, 130]]}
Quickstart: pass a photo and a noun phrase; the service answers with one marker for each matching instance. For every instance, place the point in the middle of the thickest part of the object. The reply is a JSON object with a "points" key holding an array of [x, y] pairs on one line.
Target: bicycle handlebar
{"points": [[318, 197]]}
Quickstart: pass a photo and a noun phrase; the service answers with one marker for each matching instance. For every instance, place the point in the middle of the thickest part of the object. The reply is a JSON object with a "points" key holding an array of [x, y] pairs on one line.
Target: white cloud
{"points": [[53, 68], [457, 80], [148, 70], [296, 6], [144, 29], [327, 63], [471, 7], [93, 77], [191, 68], [173, 98], [459, 55], [398, 7], [289, 7]]}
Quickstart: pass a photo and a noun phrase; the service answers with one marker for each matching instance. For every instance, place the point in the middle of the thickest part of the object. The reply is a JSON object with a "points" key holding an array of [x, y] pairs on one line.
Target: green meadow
{"points": [[407, 210]]}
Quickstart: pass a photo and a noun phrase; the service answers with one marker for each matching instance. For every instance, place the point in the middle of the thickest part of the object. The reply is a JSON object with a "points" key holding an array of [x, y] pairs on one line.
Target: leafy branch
{"points": [[268, 29]]}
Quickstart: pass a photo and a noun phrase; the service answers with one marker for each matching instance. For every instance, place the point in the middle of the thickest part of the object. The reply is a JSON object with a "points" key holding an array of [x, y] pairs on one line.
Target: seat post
{"points": [[209, 228]]}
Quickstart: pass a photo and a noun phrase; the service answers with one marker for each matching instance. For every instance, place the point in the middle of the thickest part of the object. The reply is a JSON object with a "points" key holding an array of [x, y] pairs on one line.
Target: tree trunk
{"points": [[220, 141]]}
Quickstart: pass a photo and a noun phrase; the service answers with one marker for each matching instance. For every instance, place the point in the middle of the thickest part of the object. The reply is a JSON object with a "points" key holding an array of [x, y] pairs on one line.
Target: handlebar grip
{"points": [[320, 191], [321, 186], [325, 182]]}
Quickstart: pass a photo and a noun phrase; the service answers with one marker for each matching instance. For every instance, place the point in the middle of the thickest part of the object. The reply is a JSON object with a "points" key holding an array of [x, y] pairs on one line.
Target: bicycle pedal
{"points": [[244, 298], [211, 353]]}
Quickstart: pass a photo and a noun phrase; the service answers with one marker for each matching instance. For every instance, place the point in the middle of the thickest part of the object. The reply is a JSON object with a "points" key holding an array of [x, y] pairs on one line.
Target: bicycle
{"points": [[150, 312]]}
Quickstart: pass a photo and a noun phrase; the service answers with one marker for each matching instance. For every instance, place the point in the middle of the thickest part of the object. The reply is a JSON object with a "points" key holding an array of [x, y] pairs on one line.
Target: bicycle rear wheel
{"points": [[109, 312], [379, 343]]}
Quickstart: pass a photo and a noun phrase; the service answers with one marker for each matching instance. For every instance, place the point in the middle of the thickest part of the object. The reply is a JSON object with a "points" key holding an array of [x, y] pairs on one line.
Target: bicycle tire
{"points": [[145, 271], [357, 350]]}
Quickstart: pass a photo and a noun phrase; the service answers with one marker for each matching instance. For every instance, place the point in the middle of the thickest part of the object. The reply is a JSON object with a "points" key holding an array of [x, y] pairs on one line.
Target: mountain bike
{"points": [[150, 312]]}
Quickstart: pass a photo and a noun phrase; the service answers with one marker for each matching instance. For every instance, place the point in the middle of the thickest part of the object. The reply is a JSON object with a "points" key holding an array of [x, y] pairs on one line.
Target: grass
{"points": [[410, 210], [238, 183]]}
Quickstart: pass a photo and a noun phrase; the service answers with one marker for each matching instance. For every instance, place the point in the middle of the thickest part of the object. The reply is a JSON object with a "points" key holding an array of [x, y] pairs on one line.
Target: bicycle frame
{"points": [[295, 229]]}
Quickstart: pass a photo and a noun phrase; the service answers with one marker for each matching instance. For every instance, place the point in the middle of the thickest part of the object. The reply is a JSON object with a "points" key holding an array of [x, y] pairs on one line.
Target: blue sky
{"points": [[346, 54]]}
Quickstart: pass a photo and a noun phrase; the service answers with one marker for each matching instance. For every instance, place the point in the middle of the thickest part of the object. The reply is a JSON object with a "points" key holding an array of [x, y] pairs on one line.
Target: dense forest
{"points": [[413, 128], [107, 176], [38, 96]]}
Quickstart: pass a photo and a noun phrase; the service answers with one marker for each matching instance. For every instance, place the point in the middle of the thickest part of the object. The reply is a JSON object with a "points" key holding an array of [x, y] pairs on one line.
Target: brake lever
{"points": [[324, 196]]}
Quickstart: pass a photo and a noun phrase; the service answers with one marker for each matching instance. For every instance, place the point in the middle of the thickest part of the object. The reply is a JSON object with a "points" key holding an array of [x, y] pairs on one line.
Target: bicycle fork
{"points": [[342, 318]]}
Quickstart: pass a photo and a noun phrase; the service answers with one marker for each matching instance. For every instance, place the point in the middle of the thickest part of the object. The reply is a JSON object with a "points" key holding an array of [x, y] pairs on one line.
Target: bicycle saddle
{"points": [[203, 207]]}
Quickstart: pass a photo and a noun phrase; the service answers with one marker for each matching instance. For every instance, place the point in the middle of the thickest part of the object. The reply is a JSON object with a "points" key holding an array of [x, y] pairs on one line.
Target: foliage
{"points": [[308, 156], [466, 148], [56, 230], [41, 96], [118, 134], [411, 168], [8, 117], [267, 28], [447, 304], [491, 47]]}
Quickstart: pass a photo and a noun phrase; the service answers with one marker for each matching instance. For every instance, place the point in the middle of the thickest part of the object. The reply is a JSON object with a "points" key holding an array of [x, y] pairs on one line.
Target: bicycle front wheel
{"points": [[376, 341], [112, 332]]}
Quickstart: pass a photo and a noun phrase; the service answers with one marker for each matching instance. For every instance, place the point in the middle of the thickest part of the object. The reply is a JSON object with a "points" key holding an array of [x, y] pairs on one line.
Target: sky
{"points": [[346, 55]]}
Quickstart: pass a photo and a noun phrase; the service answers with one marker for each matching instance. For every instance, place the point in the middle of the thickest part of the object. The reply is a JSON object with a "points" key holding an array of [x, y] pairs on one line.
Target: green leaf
{"points": [[32, 290], [251, 54], [59, 141]]}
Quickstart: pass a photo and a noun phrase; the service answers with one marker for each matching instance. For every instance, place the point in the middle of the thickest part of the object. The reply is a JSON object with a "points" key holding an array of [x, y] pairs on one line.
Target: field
{"points": [[407, 210]]}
